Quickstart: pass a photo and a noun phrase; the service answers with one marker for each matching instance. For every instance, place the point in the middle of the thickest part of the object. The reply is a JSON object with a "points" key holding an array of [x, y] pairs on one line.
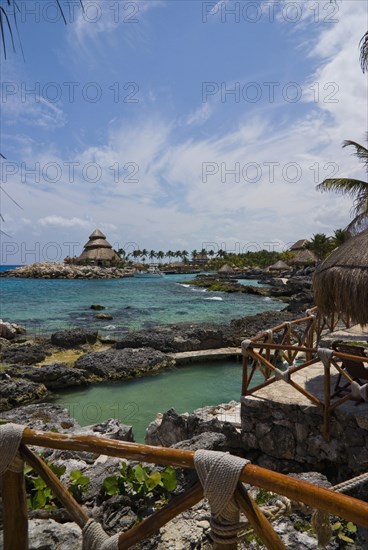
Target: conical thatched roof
{"points": [[98, 249], [279, 266], [340, 283], [304, 257], [226, 268], [97, 234]]}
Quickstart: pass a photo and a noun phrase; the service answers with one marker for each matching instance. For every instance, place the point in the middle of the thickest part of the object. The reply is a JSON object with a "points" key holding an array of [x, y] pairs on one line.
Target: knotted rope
{"points": [[358, 391], [325, 355], [282, 374], [95, 538], [10, 439], [245, 345], [219, 474]]}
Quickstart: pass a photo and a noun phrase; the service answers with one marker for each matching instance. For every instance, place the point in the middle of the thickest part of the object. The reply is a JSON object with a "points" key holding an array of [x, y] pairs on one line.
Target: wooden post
{"points": [[15, 511], [70, 504], [245, 374], [258, 520], [327, 397]]}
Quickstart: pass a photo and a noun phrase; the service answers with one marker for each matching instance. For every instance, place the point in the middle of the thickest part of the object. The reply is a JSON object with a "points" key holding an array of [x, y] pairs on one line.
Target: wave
{"points": [[184, 285], [214, 298], [110, 327]]}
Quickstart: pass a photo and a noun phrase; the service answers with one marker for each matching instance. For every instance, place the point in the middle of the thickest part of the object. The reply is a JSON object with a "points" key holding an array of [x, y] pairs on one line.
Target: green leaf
{"points": [[140, 473], [344, 538], [111, 485], [39, 500], [39, 484], [153, 480], [336, 526], [351, 527], [75, 475], [169, 478], [58, 470]]}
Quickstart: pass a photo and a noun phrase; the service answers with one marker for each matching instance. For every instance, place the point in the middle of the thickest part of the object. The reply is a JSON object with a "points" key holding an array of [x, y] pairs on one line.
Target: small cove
{"points": [[136, 402]]}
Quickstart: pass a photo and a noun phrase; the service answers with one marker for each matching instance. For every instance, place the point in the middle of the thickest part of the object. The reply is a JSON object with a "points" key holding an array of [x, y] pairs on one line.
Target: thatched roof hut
{"points": [[98, 250], [340, 283], [304, 257], [226, 268], [299, 245], [279, 266]]}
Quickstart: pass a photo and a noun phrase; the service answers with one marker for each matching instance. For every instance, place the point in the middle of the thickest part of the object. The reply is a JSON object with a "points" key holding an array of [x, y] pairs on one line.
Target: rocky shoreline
{"points": [[32, 369], [64, 271]]}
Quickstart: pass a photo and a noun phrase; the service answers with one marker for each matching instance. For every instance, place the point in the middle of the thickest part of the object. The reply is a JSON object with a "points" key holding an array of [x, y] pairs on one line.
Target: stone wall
{"points": [[277, 433]]}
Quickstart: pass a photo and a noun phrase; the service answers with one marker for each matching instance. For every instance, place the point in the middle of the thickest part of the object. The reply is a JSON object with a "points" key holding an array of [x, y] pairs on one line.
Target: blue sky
{"points": [[174, 124]]}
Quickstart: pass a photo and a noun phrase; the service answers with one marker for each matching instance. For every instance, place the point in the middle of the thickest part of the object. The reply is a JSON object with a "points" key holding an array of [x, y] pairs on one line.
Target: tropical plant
{"points": [[364, 52], [354, 188], [339, 237], [320, 244]]}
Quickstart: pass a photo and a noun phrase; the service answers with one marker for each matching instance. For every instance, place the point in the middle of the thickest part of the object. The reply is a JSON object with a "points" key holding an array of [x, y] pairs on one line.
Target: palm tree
{"points": [[160, 255], [356, 189], [152, 255], [340, 236], [320, 244], [194, 254], [9, 10], [364, 52]]}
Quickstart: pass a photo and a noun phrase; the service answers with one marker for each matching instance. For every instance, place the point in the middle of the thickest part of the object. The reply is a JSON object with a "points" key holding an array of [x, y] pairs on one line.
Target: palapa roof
{"points": [[304, 257], [299, 245], [98, 248], [226, 268], [279, 266], [340, 283]]}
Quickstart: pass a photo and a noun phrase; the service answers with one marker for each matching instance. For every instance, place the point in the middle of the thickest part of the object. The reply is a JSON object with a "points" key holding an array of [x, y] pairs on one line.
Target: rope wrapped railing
{"points": [[252, 351], [15, 524]]}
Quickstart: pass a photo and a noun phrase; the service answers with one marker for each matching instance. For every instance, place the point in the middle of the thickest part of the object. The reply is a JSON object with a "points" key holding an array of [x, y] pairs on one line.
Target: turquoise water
{"points": [[136, 402], [44, 306]]}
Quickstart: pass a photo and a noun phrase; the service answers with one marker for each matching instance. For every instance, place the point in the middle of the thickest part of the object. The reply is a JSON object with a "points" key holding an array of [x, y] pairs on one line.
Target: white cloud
{"points": [[59, 221]]}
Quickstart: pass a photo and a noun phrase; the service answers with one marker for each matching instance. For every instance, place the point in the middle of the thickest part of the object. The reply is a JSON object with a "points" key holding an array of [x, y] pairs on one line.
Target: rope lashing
{"points": [[219, 474], [282, 374], [245, 345], [325, 355], [95, 538], [269, 333], [10, 439], [358, 391]]}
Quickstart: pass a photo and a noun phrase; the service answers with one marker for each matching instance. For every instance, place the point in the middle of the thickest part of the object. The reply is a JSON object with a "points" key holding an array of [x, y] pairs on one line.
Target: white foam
{"points": [[214, 298]]}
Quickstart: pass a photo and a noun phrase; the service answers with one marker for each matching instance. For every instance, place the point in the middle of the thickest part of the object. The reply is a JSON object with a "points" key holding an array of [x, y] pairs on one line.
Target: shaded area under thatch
{"points": [[340, 283]]}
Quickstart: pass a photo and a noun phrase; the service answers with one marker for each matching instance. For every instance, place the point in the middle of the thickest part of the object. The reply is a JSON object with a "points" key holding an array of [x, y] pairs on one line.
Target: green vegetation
{"points": [[345, 533], [151, 485]]}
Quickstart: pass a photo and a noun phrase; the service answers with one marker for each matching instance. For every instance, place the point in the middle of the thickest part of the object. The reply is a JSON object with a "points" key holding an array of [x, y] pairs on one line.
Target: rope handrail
{"points": [[15, 534], [319, 497]]}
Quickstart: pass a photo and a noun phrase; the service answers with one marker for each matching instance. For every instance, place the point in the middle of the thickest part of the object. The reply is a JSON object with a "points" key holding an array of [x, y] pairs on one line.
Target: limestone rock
{"points": [[73, 338], [14, 393], [27, 354], [123, 364]]}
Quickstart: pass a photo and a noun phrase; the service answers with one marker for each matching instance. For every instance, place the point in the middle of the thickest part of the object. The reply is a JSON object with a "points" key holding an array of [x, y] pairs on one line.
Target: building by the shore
{"points": [[98, 251]]}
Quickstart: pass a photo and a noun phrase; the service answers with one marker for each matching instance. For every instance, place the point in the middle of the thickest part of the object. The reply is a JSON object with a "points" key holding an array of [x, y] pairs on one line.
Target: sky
{"points": [[178, 124]]}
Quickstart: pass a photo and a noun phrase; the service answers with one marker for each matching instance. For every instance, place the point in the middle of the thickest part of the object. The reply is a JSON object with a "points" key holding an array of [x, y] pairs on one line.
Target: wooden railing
{"points": [[294, 345], [15, 507]]}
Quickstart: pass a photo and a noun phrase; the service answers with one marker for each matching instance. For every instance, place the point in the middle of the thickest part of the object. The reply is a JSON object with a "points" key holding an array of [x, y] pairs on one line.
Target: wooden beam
{"points": [[158, 519], [318, 497], [15, 511], [258, 520], [71, 505]]}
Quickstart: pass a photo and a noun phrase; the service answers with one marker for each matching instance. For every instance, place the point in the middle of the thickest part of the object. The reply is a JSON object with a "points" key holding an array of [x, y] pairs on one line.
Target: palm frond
{"points": [[10, 197], [360, 151], [364, 52], [344, 186]]}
